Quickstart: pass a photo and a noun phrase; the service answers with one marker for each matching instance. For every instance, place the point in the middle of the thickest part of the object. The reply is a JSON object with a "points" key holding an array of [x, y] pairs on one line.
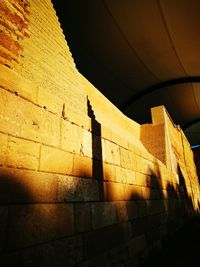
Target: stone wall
{"points": [[80, 183]]}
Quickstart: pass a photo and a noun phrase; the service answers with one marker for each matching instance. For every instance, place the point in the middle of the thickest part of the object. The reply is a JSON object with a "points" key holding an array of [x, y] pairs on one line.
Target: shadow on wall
{"points": [[97, 155], [30, 225], [116, 224]]}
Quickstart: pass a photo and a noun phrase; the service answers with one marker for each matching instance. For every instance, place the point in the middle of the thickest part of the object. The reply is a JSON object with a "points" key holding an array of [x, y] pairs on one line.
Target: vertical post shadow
{"points": [[97, 159]]}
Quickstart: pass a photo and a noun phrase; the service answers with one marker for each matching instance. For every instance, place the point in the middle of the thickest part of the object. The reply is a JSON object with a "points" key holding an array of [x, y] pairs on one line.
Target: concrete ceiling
{"points": [[139, 54]]}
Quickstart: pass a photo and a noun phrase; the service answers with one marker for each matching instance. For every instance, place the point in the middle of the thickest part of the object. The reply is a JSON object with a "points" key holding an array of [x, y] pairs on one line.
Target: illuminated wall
{"points": [[80, 183]]}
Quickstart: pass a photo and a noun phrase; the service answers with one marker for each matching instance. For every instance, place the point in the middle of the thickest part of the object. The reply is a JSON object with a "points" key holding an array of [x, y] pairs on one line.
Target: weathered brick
{"points": [[106, 133], [83, 166], [120, 175], [55, 160], [76, 116], [110, 152], [3, 146], [71, 137], [141, 179], [132, 192], [22, 153], [25, 186], [28, 120], [13, 82], [130, 177], [115, 154], [72, 188], [32, 224], [50, 101], [87, 144], [144, 166], [115, 191], [83, 220], [103, 214], [133, 160], [125, 159], [109, 172]]}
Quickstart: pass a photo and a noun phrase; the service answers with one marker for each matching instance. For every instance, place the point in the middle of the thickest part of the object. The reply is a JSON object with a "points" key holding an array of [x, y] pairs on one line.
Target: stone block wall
{"points": [[80, 183]]}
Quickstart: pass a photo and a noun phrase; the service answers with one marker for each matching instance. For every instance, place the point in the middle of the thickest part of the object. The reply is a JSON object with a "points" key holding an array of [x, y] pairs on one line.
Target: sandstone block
{"points": [[109, 172], [110, 152], [22, 153], [72, 188], [103, 214], [15, 83], [83, 166], [28, 120], [141, 179], [132, 192], [125, 158], [83, 221], [25, 186], [71, 137], [50, 101], [55, 160], [115, 191], [121, 174], [87, 144], [130, 177], [32, 224]]}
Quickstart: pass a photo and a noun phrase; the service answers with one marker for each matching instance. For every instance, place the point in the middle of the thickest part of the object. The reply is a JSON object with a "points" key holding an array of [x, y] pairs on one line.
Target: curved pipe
{"points": [[195, 79]]}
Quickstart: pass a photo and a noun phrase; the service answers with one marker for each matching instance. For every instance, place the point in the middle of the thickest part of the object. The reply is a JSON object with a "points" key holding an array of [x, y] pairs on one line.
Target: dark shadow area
{"points": [[97, 158], [182, 249], [179, 245], [185, 199], [12, 193]]}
